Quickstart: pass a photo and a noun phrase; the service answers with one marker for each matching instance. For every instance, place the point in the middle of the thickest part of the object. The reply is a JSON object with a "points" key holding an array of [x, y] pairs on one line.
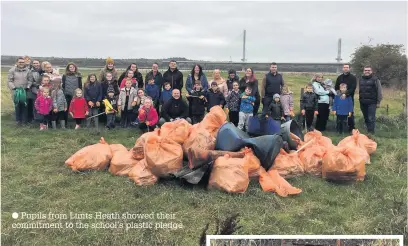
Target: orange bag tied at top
{"points": [[229, 174], [92, 157], [141, 175], [272, 181], [199, 139], [214, 120], [344, 164], [312, 158], [163, 156], [138, 149], [122, 162], [318, 139], [177, 130], [288, 164], [360, 140]]}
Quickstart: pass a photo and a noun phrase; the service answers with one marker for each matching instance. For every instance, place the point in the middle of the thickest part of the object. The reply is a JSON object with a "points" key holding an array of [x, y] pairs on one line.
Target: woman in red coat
{"points": [[148, 117], [78, 109]]}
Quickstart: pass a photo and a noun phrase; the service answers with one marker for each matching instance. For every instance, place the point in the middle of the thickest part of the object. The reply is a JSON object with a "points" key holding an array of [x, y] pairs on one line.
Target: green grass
{"points": [[34, 179]]}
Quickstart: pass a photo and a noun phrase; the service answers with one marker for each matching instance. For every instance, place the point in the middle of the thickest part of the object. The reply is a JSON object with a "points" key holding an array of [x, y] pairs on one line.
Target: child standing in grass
{"points": [[59, 103], [215, 96], [111, 108], [78, 109], [308, 106], [126, 102], [198, 102], [275, 110], [342, 108], [246, 108], [43, 105], [45, 83], [93, 95], [233, 103], [287, 103]]}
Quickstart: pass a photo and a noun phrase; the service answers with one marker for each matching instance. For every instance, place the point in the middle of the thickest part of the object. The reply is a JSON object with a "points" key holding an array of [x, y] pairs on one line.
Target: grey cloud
{"points": [[279, 31]]}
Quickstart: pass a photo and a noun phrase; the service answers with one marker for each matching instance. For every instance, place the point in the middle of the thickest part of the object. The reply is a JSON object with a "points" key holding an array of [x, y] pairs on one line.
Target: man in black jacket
{"points": [[173, 76], [271, 84], [370, 95], [174, 109], [351, 81], [136, 74]]}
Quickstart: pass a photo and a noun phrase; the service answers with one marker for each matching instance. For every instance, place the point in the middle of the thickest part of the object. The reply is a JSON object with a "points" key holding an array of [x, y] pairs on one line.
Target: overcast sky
{"points": [[276, 31]]}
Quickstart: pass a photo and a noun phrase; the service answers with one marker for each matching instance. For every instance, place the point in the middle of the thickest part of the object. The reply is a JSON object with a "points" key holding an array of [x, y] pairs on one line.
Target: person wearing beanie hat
{"points": [[232, 77], [275, 109], [109, 68], [111, 107]]}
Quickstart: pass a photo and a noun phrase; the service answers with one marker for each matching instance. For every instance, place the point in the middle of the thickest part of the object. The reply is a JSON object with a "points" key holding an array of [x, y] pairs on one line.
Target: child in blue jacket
{"points": [[246, 108], [153, 91], [343, 108]]}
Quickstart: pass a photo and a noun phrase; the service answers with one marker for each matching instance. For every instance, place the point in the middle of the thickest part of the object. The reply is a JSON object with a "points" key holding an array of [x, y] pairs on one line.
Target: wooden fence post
{"points": [[387, 109]]}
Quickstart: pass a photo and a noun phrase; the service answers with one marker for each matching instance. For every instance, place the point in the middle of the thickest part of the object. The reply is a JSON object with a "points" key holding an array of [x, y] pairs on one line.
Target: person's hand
{"points": [[292, 113], [86, 113], [333, 112], [192, 91], [253, 103], [201, 97], [303, 112], [378, 105], [316, 112], [91, 104], [343, 96], [266, 116], [282, 118], [349, 114], [187, 95], [244, 96], [133, 103], [147, 123], [72, 115], [226, 110], [55, 110], [65, 109], [142, 111], [98, 104]]}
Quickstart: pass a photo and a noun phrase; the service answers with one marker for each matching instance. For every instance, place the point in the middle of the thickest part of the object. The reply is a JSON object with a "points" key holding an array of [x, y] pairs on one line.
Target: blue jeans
{"points": [[110, 120], [21, 112], [369, 111]]}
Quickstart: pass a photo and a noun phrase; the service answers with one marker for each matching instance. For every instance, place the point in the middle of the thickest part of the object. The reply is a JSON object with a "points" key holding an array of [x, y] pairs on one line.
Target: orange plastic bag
{"points": [[138, 149], [318, 139], [229, 174], [360, 140], [272, 181], [163, 155], [177, 130], [121, 163], [344, 164], [288, 165], [251, 163], [92, 157], [141, 175], [312, 158], [117, 147], [214, 120], [200, 139]]}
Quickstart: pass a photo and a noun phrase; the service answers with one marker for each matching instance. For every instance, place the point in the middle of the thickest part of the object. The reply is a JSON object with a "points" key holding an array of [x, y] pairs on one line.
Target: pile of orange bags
{"points": [[288, 165]]}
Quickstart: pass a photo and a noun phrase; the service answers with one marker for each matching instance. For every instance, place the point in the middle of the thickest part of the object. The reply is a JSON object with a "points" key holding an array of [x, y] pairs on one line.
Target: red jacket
{"points": [[43, 105], [151, 116], [78, 107], [123, 83]]}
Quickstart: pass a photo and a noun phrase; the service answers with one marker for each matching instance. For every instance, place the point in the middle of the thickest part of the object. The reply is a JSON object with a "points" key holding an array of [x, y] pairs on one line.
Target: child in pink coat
{"points": [[43, 105], [148, 116]]}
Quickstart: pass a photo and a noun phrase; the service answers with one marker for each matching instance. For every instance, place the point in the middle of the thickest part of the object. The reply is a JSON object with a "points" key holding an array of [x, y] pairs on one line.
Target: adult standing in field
{"points": [[155, 75], [71, 80], [174, 109], [351, 81], [50, 72], [221, 82], [19, 82], [323, 102], [173, 76], [370, 95], [36, 72], [27, 61], [136, 75], [232, 77], [249, 80], [109, 68], [272, 84], [196, 74]]}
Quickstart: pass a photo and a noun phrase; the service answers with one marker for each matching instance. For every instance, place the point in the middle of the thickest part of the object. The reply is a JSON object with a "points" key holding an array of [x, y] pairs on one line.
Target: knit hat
{"points": [[276, 96], [213, 83], [110, 90], [109, 60]]}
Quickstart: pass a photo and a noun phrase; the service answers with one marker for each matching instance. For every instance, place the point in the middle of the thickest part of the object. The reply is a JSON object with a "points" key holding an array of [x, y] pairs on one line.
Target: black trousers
{"points": [[69, 99], [126, 117], [46, 118], [369, 111], [78, 121], [341, 123], [197, 118], [266, 102], [309, 115], [144, 127], [60, 115], [30, 109], [322, 117], [234, 117]]}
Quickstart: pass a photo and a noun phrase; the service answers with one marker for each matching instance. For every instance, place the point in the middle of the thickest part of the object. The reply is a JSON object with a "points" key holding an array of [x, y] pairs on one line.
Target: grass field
{"points": [[34, 179]]}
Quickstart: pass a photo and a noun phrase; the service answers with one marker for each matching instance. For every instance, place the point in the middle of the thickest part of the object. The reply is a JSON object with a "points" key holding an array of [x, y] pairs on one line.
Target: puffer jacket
{"points": [[43, 105], [122, 97], [308, 101], [233, 101], [287, 102], [58, 100], [275, 110], [93, 92], [19, 78], [35, 79], [71, 81]]}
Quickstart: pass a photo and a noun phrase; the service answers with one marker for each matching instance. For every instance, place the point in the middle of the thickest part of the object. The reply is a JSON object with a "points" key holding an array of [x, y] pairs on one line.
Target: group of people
{"points": [[40, 92]]}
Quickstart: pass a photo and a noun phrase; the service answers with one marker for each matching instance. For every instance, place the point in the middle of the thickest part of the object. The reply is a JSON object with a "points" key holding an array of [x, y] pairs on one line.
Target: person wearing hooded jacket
{"points": [[71, 80], [136, 74], [109, 68], [174, 109], [174, 76], [36, 72]]}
